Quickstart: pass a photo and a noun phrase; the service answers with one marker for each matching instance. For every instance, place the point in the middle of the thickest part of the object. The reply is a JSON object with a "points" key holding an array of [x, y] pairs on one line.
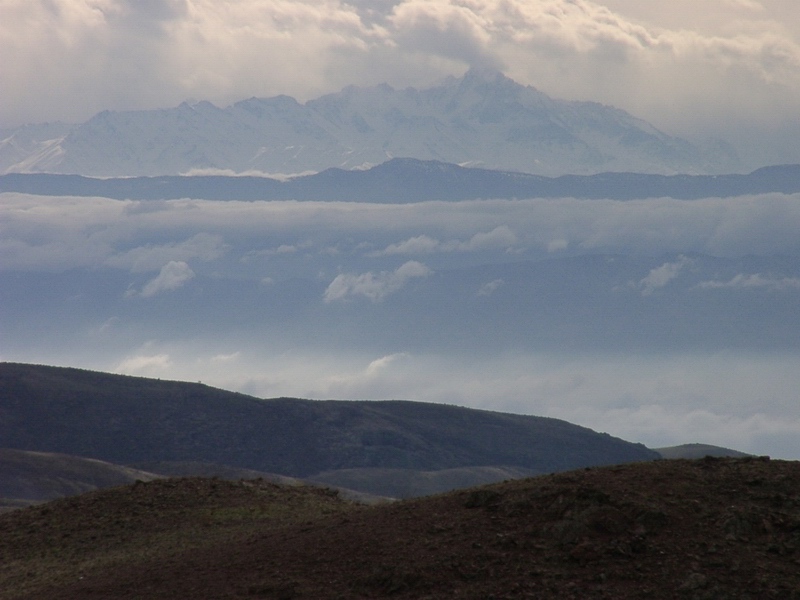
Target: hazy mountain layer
{"points": [[411, 180], [483, 119]]}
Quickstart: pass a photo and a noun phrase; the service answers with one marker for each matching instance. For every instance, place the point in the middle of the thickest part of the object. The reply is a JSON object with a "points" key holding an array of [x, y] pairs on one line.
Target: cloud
{"points": [[499, 238], [374, 286], [202, 246], [487, 289], [381, 364], [144, 363], [172, 276], [54, 234], [108, 326], [421, 244], [226, 358], [461, 32], [742, 281], [660, 276]]}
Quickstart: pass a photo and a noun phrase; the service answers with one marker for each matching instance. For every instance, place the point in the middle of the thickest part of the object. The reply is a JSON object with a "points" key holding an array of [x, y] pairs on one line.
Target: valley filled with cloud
{"points": [[658, 320]]}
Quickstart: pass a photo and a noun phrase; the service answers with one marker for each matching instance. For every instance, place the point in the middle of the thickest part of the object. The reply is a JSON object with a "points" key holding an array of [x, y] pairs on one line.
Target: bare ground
{"points": [[704, 529]]}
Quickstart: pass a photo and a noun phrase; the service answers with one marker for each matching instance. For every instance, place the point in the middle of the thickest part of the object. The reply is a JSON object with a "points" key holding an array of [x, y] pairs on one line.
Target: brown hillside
{"points": [[711, 528], [29, 477]]}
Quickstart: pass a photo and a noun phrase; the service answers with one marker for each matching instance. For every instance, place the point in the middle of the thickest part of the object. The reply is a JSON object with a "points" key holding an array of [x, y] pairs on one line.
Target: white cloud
{"points": [[742, 281], [660, 276], [172, 276], [487, 289], [202, 246], [143, 363], [499, 238], [226, 358], [374, 286], [421, 244]]}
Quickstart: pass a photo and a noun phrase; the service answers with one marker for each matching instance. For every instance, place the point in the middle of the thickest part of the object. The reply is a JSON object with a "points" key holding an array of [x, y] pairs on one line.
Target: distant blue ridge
{"points": [[403, 180]]}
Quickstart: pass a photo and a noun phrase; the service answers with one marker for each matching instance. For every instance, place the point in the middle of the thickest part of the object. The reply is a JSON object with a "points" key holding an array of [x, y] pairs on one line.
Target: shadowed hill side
{"points": [[711, 528], [407, 483], [27, 477], [128, 420], [698, 451]]}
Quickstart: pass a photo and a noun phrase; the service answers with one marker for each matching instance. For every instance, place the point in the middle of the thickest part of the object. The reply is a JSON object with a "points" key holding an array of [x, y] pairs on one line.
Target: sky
{"points": [[659, 321], [718, 67]]}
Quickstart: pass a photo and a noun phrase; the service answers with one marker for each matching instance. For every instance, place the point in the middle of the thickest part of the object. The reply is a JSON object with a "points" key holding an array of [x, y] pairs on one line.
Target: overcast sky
{"points": [[686, 66]]}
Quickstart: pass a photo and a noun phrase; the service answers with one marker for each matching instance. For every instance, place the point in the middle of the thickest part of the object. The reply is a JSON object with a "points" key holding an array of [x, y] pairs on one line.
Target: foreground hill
{"points": [[27, 477], [131, 420], [698, 451], [711, 528]]}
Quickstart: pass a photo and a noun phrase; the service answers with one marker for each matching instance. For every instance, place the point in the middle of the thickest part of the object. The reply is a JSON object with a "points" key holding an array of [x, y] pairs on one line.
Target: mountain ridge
{"points": [[405, 180], [129, 420], [482, 119]]}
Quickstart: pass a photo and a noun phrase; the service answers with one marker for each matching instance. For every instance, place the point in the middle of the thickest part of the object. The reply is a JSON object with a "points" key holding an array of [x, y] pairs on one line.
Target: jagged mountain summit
{"points": [[481, 119]]}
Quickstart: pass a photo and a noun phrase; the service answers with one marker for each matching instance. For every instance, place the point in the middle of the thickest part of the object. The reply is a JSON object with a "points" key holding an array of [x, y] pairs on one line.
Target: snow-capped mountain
{"points": [[481, 119]]}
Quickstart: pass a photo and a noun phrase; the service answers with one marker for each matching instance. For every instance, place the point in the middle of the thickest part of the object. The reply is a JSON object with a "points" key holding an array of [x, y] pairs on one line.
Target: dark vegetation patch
{"points": [[104, 533], [703, 529]]}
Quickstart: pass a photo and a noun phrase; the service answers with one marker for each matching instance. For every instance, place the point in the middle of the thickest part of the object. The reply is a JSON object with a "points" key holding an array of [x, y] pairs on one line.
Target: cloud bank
{"points": [[41, 233], [755, 280], [661, 321]]}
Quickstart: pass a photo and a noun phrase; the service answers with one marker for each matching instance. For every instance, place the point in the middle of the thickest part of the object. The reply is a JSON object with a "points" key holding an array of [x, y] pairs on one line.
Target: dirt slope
{"points": [[706, 529]]}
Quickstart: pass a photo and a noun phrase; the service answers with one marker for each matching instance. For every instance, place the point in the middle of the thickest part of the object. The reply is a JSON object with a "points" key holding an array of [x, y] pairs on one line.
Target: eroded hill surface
{"points": [[710, 528]]}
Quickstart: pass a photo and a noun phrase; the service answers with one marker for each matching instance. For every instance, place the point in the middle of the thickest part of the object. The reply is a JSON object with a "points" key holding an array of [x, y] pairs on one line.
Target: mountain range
{"points": [[367, 446], [481, 119], [58, 425], [402, 180]]}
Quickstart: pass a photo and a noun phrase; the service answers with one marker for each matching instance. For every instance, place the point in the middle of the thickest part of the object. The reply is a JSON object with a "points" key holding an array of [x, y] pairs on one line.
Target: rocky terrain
{"points": [[708, 528]]}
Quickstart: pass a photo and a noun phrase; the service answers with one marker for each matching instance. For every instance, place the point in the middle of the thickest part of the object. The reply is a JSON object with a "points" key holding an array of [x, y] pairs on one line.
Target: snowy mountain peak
{"points": [[483, 118]]}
